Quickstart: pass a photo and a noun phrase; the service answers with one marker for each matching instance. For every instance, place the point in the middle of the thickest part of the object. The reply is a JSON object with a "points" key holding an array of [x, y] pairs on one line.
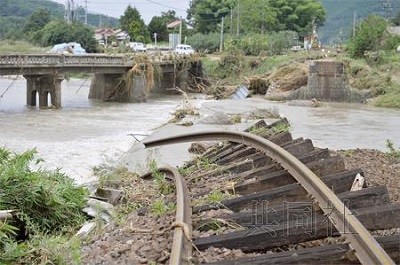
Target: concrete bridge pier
{"points": [[41, 86], [118, 88], [171, 79], [327, 81]]}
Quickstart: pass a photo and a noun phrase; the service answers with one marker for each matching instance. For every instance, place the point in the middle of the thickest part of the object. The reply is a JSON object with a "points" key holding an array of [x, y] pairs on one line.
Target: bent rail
{"points": [[367, 248], [181, 251]]}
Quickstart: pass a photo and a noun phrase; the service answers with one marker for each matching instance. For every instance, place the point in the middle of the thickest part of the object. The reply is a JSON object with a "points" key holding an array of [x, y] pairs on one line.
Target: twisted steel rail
{"points": [[367, 249], [181, 251]]}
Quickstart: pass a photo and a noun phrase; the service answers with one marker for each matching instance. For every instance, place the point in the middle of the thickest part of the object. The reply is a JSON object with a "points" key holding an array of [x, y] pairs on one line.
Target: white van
{"points": [[184, 49], [137, 47]]}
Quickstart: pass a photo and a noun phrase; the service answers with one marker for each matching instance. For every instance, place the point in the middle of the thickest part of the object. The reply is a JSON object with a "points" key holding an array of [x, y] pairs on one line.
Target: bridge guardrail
{"points": [[60, 60]]}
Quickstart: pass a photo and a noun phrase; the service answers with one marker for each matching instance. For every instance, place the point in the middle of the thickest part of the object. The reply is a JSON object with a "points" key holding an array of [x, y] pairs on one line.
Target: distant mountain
{"points": [[340, 15], [13, 14]]}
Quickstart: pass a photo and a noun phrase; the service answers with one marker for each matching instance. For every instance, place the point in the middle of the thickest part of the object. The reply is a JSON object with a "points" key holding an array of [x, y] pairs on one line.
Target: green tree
{"points": [[132, 22], [206, 14], [257, 16], [158, 24], [59, 31], [298, 15], [369, 36], [11, 27], [37, 20]]}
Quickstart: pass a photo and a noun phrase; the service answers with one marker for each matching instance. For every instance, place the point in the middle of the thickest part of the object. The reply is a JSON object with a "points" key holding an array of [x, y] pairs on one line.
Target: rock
{"points": [[112, 195], [86, 229], [97, 208], [217, 118]]}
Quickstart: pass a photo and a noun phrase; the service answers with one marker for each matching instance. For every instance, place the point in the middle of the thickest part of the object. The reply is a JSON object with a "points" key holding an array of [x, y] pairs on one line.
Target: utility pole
{"points": [[86, 12], [72, 11], [68, 11], [238, 19], [231, 27], [180, 31], [221, 43]]}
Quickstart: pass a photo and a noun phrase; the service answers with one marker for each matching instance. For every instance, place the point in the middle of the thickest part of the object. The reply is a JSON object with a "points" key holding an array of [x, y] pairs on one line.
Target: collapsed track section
{"points": [[366, 248]]}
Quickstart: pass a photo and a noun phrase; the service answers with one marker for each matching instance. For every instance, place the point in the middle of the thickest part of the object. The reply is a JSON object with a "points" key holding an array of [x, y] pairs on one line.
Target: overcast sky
{"points": [[147, 8]]}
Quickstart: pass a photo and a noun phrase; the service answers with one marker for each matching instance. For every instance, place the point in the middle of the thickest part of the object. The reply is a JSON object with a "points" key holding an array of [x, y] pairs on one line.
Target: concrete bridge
{"points": [[120, 78]]}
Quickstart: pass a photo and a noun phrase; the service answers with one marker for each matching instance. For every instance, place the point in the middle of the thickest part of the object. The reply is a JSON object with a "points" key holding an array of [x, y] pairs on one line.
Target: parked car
{"points": [[183, 49], [137, 47]]}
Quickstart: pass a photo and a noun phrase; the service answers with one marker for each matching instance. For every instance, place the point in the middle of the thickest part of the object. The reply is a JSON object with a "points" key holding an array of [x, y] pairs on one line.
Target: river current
{"points": [[85, 133]]}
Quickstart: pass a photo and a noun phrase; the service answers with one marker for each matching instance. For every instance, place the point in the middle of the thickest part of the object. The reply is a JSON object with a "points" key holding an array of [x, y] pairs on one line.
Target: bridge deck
{"points": [[31, 64]]}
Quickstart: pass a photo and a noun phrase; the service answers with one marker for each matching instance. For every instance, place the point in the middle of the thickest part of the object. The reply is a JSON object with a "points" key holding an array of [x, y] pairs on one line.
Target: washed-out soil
{"points": [[146, 239]]}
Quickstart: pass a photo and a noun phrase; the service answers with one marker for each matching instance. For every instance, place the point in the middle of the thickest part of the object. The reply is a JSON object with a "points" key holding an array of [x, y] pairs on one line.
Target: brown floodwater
{"points": [[85, 133]]}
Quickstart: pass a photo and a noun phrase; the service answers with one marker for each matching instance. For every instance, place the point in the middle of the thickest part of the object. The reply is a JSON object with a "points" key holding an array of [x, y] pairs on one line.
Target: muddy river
{"points": [[85, 133]]}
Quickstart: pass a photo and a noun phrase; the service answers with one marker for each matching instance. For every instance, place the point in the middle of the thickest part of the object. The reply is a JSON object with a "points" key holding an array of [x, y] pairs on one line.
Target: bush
{"points": [[205, 42], [249, 45], [45, 201], [255, 44]]}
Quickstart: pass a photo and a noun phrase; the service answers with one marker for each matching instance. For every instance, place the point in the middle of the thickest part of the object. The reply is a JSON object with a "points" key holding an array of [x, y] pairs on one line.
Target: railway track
{"points": [[307, 190]]}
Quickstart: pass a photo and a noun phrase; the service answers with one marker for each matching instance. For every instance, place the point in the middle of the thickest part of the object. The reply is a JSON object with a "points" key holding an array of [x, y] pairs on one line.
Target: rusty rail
{"points": [[181, 251], [366, 247]]}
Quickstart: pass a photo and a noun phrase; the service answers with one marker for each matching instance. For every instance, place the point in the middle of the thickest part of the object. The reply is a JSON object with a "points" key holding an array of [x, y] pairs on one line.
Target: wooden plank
{"points": [[339, 183], [313, 156], [321, 167], [354, 199], [328, 254], [265, 237]]}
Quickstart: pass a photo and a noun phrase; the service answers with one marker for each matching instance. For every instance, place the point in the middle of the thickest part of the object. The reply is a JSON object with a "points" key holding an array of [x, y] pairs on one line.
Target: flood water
{"points": [[85, 133]]}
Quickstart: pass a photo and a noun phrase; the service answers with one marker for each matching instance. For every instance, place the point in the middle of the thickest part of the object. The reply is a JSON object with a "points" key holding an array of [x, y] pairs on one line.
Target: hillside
{"points": [[340, 13], [13, 14]]}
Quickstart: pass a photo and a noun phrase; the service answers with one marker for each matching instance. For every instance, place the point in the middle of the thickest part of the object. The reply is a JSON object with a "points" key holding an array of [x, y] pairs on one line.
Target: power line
{"points": [[164, 5]]}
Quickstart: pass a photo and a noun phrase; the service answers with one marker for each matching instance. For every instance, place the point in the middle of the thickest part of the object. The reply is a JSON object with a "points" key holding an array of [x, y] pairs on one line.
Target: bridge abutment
{"points": [[40, 87]]}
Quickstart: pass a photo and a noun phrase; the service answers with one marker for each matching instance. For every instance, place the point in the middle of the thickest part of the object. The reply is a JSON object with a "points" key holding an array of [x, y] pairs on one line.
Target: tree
{"points": [[298, 15], [158, 24], [37, 20], [369, 36], [59, 31], [132, 22], [257, 16], [206, 14]]}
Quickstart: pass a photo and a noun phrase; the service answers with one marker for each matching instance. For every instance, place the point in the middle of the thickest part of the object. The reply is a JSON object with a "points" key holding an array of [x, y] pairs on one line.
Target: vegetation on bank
{"points": [[47, 211], [371, 61]]}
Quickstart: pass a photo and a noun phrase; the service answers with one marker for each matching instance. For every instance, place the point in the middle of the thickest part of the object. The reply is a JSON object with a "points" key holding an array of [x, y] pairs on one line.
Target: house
{"points": [[106, 35]]}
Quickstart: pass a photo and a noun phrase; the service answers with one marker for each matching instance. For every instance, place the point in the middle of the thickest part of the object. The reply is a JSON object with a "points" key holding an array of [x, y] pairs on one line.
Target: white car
{"points": [[184, 49], [137, 47]]}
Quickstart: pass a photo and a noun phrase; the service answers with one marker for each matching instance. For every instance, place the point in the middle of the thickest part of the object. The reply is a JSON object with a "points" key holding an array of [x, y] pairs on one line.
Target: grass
{"points": [[392, 152], [161, 208], [164, 187], [266, 132], [21, 47], [390, 100]]}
